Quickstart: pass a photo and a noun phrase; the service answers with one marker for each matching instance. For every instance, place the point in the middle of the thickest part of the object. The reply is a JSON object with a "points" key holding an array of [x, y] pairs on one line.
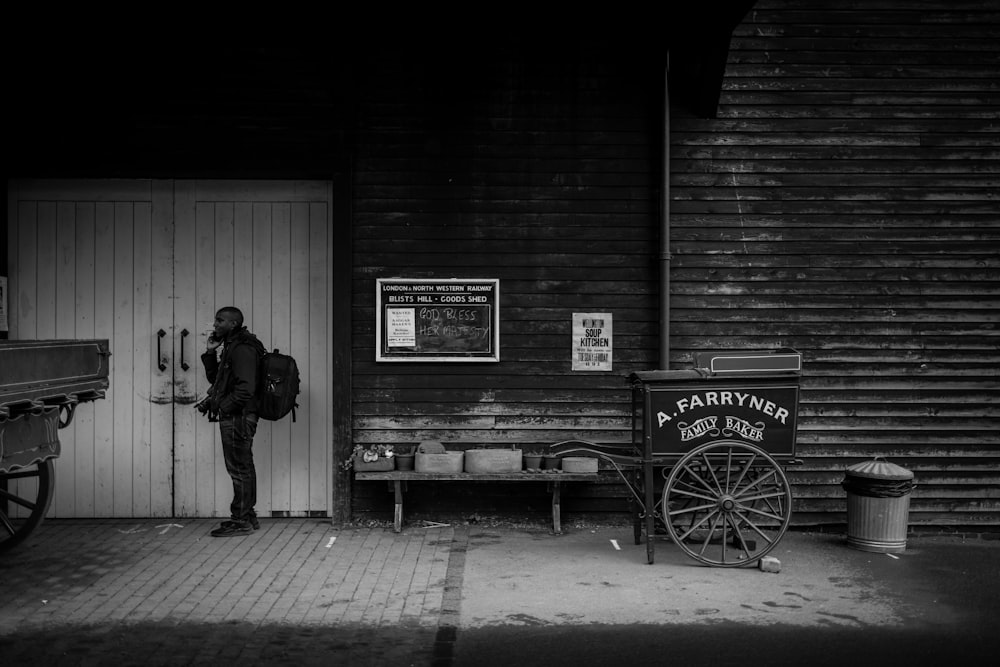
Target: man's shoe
{"points": [[230, 528], [253, 522]]}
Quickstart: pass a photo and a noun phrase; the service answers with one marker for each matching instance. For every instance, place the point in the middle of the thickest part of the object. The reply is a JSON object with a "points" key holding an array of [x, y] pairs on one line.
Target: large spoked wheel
{"points": [[727, 503], [22, 503]]}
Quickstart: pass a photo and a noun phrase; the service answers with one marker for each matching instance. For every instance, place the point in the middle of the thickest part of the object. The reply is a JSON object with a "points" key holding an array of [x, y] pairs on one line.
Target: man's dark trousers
{"points": [[237, 448]]}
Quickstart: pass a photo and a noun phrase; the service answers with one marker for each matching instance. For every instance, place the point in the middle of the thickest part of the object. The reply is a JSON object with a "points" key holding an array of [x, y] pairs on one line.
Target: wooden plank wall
{"points": [[844, 203], [537, 173]]}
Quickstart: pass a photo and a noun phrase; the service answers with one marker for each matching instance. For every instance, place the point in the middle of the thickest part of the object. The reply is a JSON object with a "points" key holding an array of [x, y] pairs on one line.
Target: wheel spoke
{"points": [[755, 529], [6, 524], [771, 506], [692, 494], [758, 512], [725, 535], [685, 484], [20, 474], [692, 509], [743, 546], [708, 537], [696, 477], [711, 470], [6, 495], [729, 467], [746, 468], [756, 482], [763, 496], [699, 525]]}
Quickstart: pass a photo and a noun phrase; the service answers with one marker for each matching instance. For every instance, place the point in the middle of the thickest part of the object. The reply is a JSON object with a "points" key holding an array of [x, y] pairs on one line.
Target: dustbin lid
{"points": [[879, 468]]}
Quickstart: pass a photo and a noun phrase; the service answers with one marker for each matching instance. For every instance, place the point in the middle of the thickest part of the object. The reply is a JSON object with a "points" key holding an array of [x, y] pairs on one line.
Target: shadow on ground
{"points": [[714, 643], [718, 644], [165, 643]]}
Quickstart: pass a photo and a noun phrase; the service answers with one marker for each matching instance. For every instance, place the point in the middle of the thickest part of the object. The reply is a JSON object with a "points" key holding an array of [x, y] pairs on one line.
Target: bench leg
{"points": [[397, 519], [556, 510]]}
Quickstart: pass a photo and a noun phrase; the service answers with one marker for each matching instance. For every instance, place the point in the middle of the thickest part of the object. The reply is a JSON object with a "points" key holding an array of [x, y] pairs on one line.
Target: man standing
{"points": [[232, 399]]}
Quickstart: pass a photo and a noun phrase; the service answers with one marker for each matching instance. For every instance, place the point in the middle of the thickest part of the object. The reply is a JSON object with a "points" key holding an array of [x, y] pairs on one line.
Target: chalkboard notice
{"points": [[437, 319]]}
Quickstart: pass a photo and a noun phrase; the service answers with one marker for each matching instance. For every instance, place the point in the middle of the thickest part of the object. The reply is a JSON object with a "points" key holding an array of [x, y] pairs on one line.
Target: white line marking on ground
{"points": [[130, 531], [168, 526]]}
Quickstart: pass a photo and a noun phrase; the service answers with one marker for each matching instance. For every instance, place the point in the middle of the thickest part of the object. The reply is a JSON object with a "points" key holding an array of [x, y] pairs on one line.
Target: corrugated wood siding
{"points": [[537, 174], [844, 203]]}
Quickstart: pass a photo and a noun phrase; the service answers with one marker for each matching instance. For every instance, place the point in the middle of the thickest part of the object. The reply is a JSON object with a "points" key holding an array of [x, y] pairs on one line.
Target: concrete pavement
{"points": [[302, 592]]}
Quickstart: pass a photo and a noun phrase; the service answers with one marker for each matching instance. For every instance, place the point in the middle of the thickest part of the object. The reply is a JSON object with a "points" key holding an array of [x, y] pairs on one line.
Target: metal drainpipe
{"points": [[665, 228]]}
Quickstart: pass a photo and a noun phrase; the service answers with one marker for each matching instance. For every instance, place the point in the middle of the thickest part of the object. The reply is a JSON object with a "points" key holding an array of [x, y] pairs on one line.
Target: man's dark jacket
{"points": [[234, 374]]}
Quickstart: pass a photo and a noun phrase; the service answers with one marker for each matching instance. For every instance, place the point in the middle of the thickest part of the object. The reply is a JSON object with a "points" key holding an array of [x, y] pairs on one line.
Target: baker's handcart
{"points": [[42, 382], [709, 452]]}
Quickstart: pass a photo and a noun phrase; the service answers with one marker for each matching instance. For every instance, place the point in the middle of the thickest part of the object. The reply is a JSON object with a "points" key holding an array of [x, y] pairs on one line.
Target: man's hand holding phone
{"points": [[212, 342]]}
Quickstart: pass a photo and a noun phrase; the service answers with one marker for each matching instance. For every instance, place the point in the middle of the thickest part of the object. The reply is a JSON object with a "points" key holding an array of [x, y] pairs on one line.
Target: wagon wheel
{"points": [[727, 503], [34, 498]]}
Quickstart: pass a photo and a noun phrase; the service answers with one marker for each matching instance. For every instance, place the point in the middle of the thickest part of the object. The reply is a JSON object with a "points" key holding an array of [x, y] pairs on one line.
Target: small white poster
{"points": [[3, 303], [401, 327], [592, 341]]}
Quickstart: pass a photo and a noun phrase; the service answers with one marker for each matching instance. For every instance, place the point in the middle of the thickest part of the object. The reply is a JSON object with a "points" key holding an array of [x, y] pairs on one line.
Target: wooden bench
{"points": [[398, 478]]}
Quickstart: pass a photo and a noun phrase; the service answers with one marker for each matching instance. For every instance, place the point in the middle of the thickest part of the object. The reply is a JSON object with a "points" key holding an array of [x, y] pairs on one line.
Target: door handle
{"points": [[184, 334], [159, 353]]}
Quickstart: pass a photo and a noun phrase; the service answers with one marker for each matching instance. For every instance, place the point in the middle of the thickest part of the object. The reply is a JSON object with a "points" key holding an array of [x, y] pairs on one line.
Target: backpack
{"points": [[279, 385]]}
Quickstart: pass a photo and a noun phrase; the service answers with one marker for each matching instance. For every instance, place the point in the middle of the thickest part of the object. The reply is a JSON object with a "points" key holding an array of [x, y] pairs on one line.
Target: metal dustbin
{"points": [[878, 505]]}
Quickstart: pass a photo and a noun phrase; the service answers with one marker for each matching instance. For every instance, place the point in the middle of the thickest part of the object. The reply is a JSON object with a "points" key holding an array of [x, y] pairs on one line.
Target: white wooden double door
{"points": [[145, 264]]}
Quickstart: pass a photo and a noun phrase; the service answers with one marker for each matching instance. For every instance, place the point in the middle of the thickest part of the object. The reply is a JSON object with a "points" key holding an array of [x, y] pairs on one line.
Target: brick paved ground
{"points": [[303, 592], [158, 592]]}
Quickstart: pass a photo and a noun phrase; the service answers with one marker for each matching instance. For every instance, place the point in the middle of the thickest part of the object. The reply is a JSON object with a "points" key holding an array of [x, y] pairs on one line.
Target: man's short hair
{"points": [[234, 312]]}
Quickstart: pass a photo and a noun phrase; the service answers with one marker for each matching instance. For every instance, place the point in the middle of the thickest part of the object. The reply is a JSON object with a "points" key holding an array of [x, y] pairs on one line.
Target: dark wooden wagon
{"points": [[42, 382], [709, 452]]}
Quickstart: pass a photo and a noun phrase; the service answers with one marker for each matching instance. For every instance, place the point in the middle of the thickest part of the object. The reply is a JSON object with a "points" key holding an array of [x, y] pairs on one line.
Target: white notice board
{"points": [[592, 341], [437, 319]]}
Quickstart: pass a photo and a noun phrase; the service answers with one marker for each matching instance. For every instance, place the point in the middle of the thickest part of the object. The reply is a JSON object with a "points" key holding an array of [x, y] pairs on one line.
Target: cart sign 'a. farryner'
{"points": [[760, 415]]}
